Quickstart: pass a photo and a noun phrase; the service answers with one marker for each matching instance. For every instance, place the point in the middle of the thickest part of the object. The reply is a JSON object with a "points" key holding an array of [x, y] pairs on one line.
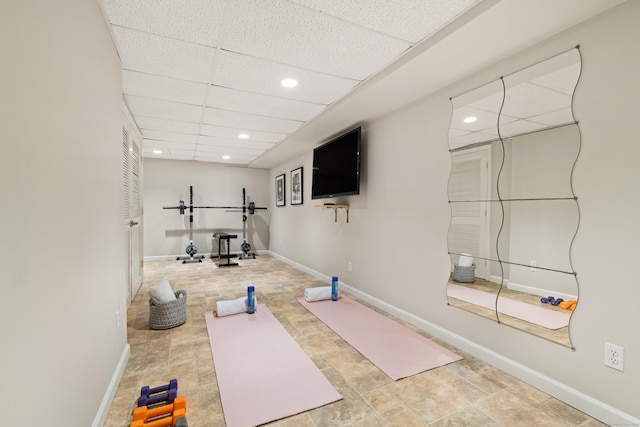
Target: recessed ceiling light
{"points": [[157, 151], [470, 119], [289, 83], [243, 136], [226, 157]]}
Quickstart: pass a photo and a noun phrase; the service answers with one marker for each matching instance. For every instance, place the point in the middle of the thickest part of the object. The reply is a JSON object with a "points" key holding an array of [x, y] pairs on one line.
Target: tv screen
{"points": [[336, 167]]}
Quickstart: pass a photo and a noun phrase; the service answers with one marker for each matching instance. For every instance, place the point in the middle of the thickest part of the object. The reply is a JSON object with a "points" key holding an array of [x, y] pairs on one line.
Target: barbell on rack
{"points": [[191, 249]]}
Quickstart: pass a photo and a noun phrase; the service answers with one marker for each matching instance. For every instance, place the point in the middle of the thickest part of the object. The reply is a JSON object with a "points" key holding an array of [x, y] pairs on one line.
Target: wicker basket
{"points": [[167, 315], [464, 274]]}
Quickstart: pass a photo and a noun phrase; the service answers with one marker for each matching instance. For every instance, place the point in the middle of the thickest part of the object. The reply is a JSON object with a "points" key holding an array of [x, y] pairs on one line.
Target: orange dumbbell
{"points": [[162, 416], [568, 305]]}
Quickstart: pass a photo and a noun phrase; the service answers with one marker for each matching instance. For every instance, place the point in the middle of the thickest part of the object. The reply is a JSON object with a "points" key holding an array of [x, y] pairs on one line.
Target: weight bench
{"points": [[228, 255]]}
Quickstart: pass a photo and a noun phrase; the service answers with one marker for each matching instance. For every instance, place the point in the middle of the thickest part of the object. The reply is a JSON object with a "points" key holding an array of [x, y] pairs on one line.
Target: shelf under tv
{"points": [[335, 210]]}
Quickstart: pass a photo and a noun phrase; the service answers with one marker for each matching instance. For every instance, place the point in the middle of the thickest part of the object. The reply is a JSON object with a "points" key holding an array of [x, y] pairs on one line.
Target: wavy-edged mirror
{"points": [[514, 143]]}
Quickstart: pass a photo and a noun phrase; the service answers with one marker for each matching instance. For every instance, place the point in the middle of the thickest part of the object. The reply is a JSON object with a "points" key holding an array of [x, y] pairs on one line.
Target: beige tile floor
{"points": [[465, 393]]}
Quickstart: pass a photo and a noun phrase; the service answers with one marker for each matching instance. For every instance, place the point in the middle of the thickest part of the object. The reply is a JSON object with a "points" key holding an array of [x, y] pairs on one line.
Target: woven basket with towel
{"points": [[167, 315], [167, 309]]}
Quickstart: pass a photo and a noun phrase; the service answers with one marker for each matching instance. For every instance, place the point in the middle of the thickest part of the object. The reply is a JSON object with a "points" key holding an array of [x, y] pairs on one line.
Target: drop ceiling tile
{"points": [[559, 73], [151, 86], [183, 153], [183, 138], [545, 121], [166, 152], [229, 150], [412, 22], [169, 145], [250, 74], [163, 109], [234, 142], [166, 156], [301, 37], [484, 119], [555, 118], [153, 54], [456, 133], [518, 127], [490, 103], [265, 105], [248, 122], [527, 100], [562, 80], [152, 123], [468, 139], [148, 152], [227, 132], [196, 21], [217, 157]]}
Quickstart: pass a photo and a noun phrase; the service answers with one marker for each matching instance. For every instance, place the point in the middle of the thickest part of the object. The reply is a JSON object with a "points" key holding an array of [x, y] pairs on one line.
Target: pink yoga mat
{"points": [[263, 374], [398, 351], [540, 316]]}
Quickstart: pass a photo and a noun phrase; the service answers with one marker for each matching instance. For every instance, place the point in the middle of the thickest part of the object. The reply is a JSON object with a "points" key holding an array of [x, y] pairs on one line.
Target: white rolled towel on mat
{"points": [[235, 306], [319, 293]]}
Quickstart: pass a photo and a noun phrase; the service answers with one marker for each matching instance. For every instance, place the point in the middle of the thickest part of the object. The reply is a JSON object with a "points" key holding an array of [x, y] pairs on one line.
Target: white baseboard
{"points": [[569, 395], [107, 400], [495, 279]]}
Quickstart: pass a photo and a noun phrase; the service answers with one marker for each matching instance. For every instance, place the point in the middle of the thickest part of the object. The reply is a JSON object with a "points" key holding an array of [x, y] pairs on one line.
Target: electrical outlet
{"points": [[117, 321], [614, 356], [349, 266], [534, 264]]}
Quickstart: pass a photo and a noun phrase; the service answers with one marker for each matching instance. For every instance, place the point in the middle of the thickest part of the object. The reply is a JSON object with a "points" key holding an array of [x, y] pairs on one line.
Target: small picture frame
{"points": [[280, 190], [296, 186]]}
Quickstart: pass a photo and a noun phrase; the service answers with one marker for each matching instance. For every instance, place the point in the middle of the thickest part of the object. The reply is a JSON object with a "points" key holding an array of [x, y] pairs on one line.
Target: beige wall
{"points": [[166, 182], [397, 234], [62, 266]]}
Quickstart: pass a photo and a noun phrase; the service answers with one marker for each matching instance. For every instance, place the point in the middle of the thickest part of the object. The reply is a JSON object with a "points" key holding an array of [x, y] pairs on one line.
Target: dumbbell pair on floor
{"points": [[559, 302], [160, 407]]}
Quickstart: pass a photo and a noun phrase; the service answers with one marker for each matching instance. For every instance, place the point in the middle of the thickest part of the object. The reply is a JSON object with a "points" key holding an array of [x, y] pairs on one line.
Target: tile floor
{"points": [[465, 393]]}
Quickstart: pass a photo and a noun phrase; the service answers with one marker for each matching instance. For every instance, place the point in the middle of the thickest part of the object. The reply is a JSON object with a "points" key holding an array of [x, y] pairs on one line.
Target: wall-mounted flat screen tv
{"points": [[336, 167]]}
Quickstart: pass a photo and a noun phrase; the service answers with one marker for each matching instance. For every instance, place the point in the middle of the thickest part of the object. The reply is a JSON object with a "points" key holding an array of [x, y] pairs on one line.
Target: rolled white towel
{"points": [[235, 306], [319, 293], [465, 260]]}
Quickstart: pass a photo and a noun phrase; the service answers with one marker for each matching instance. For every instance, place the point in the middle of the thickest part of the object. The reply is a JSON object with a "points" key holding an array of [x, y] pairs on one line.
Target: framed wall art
{"points": [[296, 186], [280, 190]]}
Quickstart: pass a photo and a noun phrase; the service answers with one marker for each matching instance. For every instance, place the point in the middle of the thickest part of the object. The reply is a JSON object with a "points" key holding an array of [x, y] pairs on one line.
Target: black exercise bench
{"points": [[228, 255]]}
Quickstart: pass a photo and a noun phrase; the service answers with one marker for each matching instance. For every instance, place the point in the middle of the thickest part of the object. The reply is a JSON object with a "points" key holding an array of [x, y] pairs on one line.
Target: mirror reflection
{"points": [[514, 143]]}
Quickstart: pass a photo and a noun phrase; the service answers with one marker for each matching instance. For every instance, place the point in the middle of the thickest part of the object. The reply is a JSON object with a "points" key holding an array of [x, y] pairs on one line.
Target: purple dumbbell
{"points": [[165, 393], [556, 301]]}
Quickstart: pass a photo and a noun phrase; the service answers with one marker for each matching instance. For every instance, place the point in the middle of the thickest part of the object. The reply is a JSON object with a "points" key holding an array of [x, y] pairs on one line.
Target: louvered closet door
{"points": [[132, 212], [136, 219], [469, 232]]}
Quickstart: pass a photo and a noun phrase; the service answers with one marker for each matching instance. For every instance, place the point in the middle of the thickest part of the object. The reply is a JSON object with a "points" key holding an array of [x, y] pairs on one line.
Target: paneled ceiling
{"points": [[202, 78]]}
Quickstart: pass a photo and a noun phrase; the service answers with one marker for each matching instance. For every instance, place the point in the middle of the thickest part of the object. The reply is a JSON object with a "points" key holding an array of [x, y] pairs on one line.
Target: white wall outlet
{"points": [[533, 264], [349, 266], [117, 321], [614, 356]]}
